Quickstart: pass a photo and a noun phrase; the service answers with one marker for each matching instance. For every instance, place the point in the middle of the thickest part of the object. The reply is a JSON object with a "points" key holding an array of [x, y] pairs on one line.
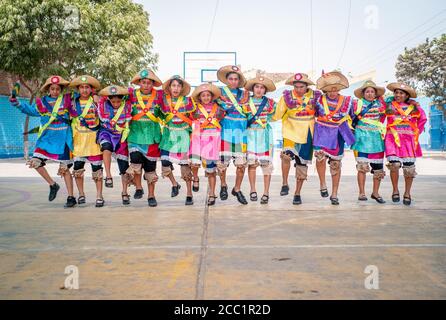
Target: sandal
{"points": [[407, 200], [264, 199], [125, 199], [253, 196], [378, 199], [196, 185], [396, 197], [81, 200], [334, 201], [211, 200], [362, 197], [324, 193], [109, 182], [99, 203]]}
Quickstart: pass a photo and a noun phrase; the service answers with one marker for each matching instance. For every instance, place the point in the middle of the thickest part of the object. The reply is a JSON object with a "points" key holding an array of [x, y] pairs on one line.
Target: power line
{"points": [[346, 33], [381, 56], [392, 56], [311, 36], [212, 25], [396, 40]]}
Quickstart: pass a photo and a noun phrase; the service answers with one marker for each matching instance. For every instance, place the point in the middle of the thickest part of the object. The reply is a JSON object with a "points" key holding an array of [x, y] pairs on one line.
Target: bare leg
{"points": [[189, 188], [124, 185], [285, 172], [239, 178], [394, 178], [361, 183], [252, 178], [223, 179], [212, 182], [151, 188], [321, 168], [376, 183], [408, 186], [335, 184], [107, 162], [299, 184], [80, 185], [98, 189], [45, 175], [69, 182], [266, 184], [137, 179], [172, 180]]}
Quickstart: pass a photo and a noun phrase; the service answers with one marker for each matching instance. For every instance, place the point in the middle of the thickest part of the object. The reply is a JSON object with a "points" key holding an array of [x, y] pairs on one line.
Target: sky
{"points": [[276, 35]]}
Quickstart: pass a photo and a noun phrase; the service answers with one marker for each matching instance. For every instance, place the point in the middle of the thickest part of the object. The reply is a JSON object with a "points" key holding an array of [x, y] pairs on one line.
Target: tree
{"points": [[424, 68], [106, 39]]}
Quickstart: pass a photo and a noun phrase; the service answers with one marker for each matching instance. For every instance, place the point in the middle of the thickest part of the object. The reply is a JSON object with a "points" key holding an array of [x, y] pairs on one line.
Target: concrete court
{"points": [[274, 251]]}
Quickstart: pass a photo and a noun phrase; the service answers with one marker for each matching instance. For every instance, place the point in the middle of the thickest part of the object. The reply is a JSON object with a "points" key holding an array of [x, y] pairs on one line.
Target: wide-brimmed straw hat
{"points": [[184, 91], [332, 80], [147, 74], [264, 81], [402, 86], [54, 80], [359, 93], [223, 71], [85, 79], [299, 77], [206, 87], [114, 91]]}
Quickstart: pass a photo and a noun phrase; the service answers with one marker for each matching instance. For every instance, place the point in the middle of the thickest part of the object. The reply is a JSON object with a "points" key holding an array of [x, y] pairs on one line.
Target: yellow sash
{"points": [[53, 116], [254, 112]]}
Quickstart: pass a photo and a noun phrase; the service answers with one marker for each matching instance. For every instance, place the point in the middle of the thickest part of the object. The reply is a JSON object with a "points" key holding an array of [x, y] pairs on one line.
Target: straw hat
{"points": [[114, 91], [359, 93], [223, 71], [206, 87], [332, 80], [93, 82], [54, 80], [147, 74], [398, 85], [266, 82], [299, 77], [186, 86]]}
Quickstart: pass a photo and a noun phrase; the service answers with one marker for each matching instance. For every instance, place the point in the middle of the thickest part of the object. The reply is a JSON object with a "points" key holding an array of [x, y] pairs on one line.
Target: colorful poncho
{"points": [[55, 142], [176, 115], [331, 130], [145, 129], [234, 124], [206, 135], [85, 123], [405, 123], [114, 131], [260, 134], [369, 117], [297, 117]]}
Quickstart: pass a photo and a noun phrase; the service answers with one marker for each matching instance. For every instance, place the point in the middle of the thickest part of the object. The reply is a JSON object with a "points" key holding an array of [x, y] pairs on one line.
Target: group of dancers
{"points": [[154, 121]]}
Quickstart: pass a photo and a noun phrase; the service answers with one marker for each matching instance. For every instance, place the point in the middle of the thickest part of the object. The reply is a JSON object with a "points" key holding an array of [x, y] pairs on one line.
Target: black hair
{"points": [[180, 82], [232, 72]]}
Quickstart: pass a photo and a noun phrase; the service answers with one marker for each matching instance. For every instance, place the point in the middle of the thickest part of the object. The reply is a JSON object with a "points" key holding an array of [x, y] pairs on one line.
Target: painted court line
{"points": [[222, 247]]}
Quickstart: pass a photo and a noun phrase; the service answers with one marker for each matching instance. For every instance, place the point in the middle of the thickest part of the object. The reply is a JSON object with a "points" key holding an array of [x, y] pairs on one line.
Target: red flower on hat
{"points": [[298, 76], [55, 80]]}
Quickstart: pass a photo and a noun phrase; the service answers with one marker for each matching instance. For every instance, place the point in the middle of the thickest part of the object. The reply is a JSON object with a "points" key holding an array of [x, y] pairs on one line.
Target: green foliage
{"points": [[424, 68], [107, 39]]}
